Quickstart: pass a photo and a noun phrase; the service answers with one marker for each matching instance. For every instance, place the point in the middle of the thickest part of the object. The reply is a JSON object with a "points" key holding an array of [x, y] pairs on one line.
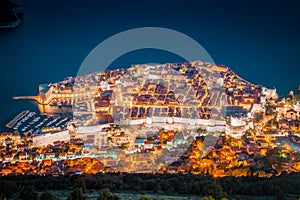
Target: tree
{"points": [[208, 198], [8, 188], [150, 184], [157, 189], [124, 145], [280, 194], [250, 132], [106, 194], [80, 183], [109, 140], [270, 108], [76, 194], [201, 131], [258, 117], [215, 190], [145, 198], [28, 192], [47, 196]]}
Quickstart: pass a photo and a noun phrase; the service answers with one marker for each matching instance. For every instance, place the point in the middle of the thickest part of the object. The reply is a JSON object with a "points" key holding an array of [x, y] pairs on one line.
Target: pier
{"points": [[37, 98], [32, 98], [17, 118]]}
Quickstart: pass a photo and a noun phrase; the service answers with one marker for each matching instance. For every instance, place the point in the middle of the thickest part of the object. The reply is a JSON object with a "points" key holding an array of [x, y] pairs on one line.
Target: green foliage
{"points": [[250, 132], [279, 186], [28, 193], [258, 117], [150, 184], [47, 196], [208, 198], [124, 145], [215, 190], [105, 194], [158, 189], [76, 194], [8, 188], [145, 198], [201, 131], [80, 183], [270, 108], [280, 194]]}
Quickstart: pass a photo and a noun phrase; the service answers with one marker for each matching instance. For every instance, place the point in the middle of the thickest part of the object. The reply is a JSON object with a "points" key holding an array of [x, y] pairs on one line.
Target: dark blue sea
{"points": [[258, 40]]}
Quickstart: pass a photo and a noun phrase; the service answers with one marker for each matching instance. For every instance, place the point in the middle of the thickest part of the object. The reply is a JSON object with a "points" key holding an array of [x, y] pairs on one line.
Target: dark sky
{"points": [[258, 39]]}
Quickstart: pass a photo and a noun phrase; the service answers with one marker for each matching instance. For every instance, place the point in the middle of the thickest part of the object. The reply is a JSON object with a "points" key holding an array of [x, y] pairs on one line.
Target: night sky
{"points": [[259, 40]]}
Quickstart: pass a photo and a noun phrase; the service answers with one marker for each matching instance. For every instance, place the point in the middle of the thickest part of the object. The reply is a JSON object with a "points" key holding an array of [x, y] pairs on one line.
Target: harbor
{"points": [[29, 123]]}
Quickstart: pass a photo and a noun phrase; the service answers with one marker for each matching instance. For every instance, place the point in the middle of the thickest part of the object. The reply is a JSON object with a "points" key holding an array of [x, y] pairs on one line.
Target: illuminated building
{"points": [[236, 127]]}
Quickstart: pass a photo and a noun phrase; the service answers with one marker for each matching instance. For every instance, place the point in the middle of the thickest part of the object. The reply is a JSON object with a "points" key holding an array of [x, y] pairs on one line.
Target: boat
{"points": [[16, 119], [31, 114]]}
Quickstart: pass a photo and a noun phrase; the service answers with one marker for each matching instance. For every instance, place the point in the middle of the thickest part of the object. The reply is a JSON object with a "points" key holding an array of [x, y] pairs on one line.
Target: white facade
{"points": [[49, 138], [211, 125], [236, 121], [237, 127], [215, 128], [91, 129], [256, 108], [269, 93]]}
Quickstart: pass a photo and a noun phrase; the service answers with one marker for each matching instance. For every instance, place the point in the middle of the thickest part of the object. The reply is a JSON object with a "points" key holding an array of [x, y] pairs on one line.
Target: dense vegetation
{"points": [[219, 188]]}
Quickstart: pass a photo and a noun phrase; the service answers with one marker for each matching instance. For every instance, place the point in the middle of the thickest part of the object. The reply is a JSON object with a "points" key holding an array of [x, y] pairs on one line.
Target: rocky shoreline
{"points": [[11, 15]]}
